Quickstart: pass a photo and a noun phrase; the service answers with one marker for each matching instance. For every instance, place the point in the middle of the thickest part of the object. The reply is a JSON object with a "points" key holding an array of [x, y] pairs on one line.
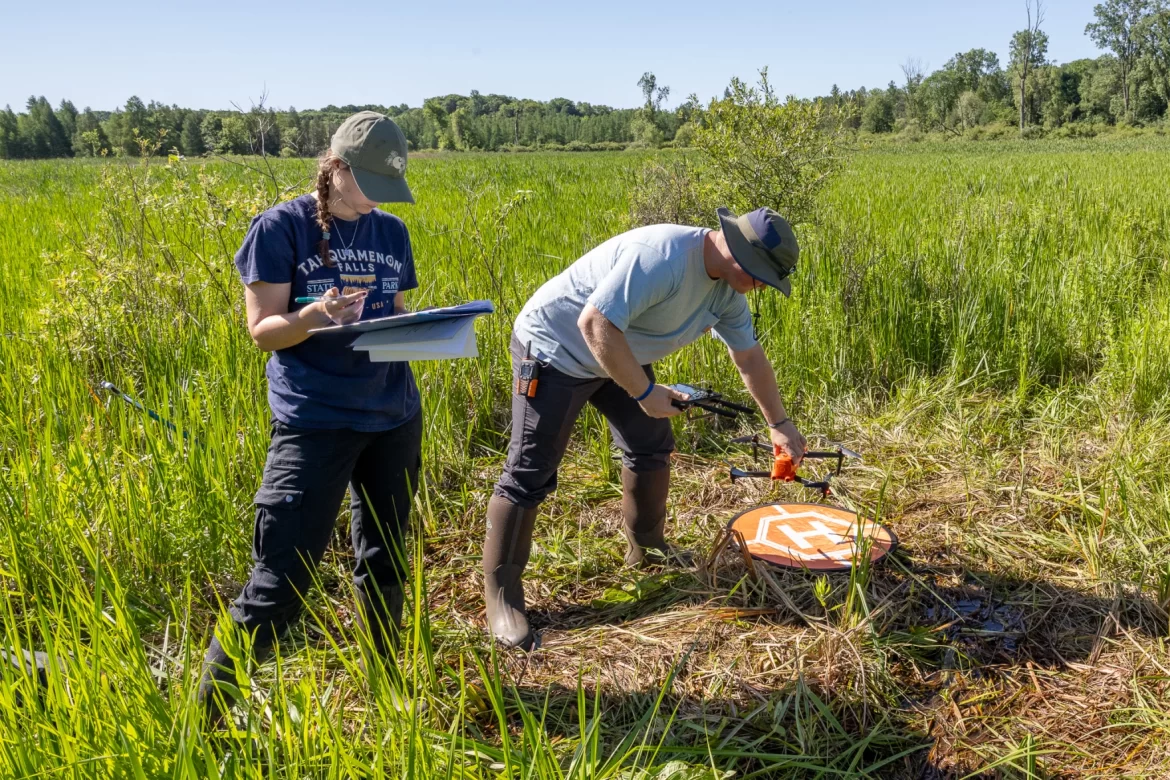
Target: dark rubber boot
{"points": [[217, 686], [505, 554], [644, 511], [380, 614]]}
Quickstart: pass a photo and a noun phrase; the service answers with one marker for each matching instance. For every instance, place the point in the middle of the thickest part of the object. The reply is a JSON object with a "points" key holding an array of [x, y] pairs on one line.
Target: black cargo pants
{"points": [[305, 478], [541, 427]]}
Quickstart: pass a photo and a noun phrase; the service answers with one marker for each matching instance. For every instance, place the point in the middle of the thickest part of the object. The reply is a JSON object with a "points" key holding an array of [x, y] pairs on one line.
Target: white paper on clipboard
{"points": [[437, 340]]}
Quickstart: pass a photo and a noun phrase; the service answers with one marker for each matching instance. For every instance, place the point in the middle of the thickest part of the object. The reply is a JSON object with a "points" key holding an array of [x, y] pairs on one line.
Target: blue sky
{"points": [[98, 54]]}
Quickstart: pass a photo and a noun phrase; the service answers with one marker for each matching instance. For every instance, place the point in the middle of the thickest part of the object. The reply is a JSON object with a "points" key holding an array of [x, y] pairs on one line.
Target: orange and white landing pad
{"points": [[810, 536]]}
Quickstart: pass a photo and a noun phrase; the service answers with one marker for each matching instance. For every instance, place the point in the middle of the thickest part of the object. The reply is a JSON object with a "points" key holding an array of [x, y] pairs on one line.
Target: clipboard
{"points": [[470, 309]]}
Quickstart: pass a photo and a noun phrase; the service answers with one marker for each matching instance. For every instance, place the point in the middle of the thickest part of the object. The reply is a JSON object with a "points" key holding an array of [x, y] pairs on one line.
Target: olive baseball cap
{"points": [[763, 244], [374, 148]]}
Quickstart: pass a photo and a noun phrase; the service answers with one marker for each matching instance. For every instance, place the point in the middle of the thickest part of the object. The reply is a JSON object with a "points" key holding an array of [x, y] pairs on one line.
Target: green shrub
{"points": [[647, 134], [685, 136], [1077, 130], [160, 232], [753, 150], [1000, 131]]}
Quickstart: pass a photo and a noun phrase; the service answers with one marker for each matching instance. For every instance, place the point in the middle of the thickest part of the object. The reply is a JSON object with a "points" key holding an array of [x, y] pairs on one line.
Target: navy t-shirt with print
{"points": [[321, 382]]}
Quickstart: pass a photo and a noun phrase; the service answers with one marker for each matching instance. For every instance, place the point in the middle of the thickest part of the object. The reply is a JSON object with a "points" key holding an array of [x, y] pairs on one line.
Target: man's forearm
{"points": [[760, 380], [613, 353]]}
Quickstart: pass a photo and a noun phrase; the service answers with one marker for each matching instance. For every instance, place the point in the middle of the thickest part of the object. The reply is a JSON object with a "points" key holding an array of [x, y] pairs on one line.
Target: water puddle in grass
{"points": [[980, 626]]}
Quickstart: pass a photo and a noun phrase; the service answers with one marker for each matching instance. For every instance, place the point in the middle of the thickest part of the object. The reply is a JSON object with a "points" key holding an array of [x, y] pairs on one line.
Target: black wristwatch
{"points": [[778, 423]]}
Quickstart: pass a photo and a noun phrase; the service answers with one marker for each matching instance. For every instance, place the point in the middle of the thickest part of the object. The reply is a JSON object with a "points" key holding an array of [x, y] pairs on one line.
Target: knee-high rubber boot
{"points": [[380, 613], [505, 554], [217, 686], [644, 512]]}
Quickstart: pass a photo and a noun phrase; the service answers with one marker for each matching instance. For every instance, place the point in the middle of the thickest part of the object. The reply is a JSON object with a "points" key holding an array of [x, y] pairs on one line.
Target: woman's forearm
{"points": [[281, 331]]}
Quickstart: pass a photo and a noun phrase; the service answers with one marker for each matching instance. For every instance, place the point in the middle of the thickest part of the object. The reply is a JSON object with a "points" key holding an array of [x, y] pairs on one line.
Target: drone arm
{"points": [[715, 407], [740, 408]]}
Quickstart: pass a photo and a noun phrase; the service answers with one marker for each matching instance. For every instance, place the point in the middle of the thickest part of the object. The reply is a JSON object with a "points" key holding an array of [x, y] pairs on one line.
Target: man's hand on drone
{"points": [[790, 441]]}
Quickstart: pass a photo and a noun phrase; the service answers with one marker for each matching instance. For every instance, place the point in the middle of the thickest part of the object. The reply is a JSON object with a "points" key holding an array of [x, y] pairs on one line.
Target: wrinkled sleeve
{"points": [[735, 325], [268, 253], [640, 278]]}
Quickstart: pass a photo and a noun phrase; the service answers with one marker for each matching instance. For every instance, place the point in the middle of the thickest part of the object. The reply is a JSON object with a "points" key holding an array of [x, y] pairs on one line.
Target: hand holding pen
{"points": [[340, 309]]}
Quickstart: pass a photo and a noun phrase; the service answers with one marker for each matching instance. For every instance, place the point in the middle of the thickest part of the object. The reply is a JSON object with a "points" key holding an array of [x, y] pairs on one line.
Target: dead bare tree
{"points": [[914, 72], [1029, 49]]}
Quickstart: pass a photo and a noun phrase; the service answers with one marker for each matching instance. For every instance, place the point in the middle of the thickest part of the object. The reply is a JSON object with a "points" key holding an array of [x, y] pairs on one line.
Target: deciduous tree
{"points": [[1154, 40], [210, 128], [653, 94], [90, 138], [234, 135], [1116, 29], [878, 114], [191, 139], [913, 73], [10, 147], [67, 116]]}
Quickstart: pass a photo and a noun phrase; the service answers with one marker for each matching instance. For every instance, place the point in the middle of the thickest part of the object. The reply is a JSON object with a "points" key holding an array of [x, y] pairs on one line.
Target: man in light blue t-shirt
{"points": [[596, 329]]}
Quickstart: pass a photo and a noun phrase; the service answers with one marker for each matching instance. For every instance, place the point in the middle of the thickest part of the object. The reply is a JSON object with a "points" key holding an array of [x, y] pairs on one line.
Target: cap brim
{"points": [[748, 257], [380, 188]]}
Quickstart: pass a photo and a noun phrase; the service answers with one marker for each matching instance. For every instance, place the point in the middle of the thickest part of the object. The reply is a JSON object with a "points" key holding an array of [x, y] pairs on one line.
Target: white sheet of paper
{"points": [[444, 340], [412, 335]]}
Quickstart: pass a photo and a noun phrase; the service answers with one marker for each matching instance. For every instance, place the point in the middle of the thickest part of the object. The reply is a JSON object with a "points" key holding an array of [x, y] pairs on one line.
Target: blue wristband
{"points": [[644, 395]]}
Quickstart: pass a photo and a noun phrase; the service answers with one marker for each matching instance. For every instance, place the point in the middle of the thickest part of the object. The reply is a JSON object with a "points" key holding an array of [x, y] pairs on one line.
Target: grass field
{"points": [[989, 325]]}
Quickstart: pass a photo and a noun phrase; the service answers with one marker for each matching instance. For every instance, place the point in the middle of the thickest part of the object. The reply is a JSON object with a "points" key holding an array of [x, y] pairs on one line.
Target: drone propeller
{"points": [[848, 453]]}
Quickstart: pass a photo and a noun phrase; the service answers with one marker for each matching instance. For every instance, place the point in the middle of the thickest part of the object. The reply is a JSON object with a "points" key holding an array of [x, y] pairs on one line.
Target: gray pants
{"points": [[541, 428]]}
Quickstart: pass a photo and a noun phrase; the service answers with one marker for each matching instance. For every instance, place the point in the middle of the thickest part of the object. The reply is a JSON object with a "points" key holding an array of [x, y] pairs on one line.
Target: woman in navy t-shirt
{"points": [[339, 421]]}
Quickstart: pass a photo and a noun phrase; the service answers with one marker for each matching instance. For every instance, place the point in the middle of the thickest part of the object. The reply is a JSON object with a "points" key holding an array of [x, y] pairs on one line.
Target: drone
{"points": [[784, 470]]}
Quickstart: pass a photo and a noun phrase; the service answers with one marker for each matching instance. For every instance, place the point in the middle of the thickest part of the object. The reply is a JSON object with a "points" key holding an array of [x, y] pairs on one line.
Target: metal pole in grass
{"points": [[152, 414]]}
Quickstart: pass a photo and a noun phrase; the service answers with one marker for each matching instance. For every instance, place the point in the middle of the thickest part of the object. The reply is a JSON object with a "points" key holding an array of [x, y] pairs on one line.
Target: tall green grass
{"points": [[1035, 274]]}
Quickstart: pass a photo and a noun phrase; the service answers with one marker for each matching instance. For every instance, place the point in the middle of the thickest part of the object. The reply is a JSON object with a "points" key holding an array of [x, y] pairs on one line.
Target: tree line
{"points": [[457, 122], [971, 93]]}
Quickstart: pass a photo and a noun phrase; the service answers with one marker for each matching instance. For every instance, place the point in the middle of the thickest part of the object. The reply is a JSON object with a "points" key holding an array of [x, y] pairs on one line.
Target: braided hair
{"points": [[327, 163]]}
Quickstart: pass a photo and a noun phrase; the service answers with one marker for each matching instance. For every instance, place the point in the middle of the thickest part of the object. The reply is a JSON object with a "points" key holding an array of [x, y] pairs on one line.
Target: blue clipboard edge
{"points": [[469, 309]]}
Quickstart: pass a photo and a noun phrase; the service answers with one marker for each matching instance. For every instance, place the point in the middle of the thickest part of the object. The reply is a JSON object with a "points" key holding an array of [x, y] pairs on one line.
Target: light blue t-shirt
{"points": [[651, 283]]}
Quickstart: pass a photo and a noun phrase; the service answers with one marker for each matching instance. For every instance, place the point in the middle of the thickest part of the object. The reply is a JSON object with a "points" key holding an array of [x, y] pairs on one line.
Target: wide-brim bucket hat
{"points": [[763, 244]]}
